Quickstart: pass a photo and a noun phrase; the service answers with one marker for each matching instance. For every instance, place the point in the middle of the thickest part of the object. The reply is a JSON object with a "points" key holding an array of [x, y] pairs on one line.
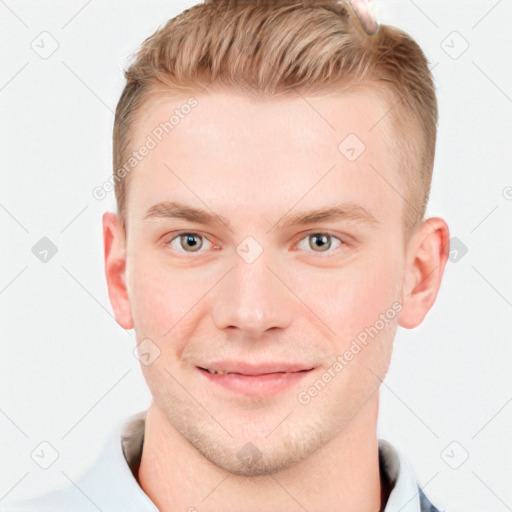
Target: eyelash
{"points": [[311, 233]]}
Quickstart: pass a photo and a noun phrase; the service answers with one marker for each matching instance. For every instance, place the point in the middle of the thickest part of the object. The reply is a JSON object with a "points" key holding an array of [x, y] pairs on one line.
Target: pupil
{"points": [[191, 242], [323, 240]]}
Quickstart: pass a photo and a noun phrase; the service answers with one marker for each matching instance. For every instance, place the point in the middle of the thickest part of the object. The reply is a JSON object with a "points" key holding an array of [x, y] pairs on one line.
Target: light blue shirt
{"points": [[110, 486]]}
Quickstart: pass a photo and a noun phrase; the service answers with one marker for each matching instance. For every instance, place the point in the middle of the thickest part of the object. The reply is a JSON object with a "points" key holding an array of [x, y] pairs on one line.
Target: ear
{"points": [[114, 241], [426, 257]]}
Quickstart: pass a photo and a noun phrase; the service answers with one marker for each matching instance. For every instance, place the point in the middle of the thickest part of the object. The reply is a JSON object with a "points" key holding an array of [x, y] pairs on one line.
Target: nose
{"points": [[252, 298]]}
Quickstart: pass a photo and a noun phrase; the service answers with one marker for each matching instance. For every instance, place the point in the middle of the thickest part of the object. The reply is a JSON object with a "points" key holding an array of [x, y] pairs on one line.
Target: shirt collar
{"points": [[404, 496]]}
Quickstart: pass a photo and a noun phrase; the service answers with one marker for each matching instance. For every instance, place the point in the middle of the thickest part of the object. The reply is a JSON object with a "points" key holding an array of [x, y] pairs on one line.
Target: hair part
{"points": [[266, 49]]}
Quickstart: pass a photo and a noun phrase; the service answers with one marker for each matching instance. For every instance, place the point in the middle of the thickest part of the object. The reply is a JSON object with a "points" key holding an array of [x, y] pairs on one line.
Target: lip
{"points": [[256, 380], [249, 369]]}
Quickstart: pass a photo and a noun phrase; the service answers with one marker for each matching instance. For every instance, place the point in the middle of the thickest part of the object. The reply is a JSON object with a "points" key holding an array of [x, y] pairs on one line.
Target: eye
{"points": [[192, 242], [321, 241], [187, 242]]}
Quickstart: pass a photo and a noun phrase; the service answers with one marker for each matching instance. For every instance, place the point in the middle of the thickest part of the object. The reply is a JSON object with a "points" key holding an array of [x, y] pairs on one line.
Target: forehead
{"points": [[230, 151]]}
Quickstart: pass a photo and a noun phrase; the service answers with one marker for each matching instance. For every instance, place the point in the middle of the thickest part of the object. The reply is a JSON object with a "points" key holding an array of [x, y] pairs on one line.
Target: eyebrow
{"points": [[347, 211]]}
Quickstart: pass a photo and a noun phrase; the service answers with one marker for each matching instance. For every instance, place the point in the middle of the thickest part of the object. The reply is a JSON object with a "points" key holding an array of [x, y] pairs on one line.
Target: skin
{"points": [[252, 164]]}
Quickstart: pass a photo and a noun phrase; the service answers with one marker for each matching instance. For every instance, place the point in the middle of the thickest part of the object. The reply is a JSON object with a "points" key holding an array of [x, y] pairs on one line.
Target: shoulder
{"points": [[108, 485], [406, 491], [61, 500], [425, 505]]}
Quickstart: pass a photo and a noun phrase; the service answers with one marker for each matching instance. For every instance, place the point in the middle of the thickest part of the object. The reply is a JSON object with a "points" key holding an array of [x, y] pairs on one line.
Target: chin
{"points": [[254, 453]]}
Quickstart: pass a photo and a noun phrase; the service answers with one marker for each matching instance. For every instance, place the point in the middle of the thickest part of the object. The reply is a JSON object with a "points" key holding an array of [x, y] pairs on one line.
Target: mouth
{"points": [[254, 382], [225, 372]]}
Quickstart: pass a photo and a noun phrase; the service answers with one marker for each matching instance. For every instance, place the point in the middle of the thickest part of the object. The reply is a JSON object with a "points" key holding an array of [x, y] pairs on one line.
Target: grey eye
{"points": [[189, 241], [320, 240]]}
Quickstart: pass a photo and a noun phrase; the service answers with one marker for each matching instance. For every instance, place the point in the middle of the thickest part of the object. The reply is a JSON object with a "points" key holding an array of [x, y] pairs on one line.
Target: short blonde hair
{"points": [[268, 48]]}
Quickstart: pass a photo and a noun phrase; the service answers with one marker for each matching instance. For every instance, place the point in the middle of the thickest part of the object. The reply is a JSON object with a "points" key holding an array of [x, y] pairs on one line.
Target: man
{"points": [[247, 133]]}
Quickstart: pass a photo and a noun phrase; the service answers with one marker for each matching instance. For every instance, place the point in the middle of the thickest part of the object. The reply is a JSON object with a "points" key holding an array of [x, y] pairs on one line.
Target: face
{"points": [[257, 285]]}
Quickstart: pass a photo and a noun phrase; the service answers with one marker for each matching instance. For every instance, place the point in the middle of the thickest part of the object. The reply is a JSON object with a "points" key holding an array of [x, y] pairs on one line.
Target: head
{"points": [[288, 126]]}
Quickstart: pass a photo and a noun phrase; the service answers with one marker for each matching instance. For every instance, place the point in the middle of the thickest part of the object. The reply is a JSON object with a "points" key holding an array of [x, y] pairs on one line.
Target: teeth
{"points": [[215, 371]]}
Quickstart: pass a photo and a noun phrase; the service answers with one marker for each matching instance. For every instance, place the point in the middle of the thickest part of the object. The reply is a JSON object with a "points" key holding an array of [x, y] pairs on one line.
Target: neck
{"points": [[341, 476]]}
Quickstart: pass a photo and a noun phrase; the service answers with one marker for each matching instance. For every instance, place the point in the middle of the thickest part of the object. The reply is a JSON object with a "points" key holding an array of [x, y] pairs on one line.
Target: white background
{"points": [[67, 372]]}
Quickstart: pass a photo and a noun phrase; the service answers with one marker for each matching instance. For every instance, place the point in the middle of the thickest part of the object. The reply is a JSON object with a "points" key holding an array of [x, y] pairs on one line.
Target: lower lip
{"points": [[256, 385]]}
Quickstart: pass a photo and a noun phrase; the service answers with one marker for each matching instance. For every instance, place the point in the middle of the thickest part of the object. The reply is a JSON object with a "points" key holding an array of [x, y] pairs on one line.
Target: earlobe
{"points": [[114, 242], [426, 259]]}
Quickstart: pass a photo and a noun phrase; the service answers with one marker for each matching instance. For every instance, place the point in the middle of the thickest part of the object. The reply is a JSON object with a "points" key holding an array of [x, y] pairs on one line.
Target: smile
{"points": [[254, 384]]}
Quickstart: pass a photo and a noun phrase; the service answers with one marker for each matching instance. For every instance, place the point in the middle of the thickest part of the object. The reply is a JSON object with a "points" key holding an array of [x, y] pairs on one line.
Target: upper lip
{"points": [[244, 368]]}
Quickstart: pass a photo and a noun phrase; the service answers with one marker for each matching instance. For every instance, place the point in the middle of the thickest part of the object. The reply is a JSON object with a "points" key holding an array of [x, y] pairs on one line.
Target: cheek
{"points": [[361, 306], [165, 300], [153, 296], [354, 297]]}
